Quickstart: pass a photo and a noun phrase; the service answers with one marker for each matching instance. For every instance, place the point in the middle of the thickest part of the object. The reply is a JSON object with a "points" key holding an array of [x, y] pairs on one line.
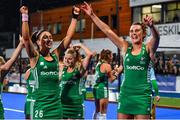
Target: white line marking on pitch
{"points": [[14, 110]]}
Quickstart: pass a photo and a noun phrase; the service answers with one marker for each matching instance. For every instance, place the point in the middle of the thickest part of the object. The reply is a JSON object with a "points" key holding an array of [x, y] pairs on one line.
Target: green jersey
{"points": [[1, 105], [71, 91], [99, 76], [136, 72], [30, 82], [100, 89], [46, 90], [135, 92], [71, 94]]}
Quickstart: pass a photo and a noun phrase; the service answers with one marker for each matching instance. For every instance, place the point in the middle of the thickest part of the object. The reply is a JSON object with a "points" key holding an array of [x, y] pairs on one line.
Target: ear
{"points": [[38, 42]]}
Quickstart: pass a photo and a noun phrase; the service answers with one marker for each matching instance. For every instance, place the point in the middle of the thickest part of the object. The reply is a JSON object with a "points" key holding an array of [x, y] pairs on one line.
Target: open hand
{"points": [[157, 98], [148, 20], [87, 8]]}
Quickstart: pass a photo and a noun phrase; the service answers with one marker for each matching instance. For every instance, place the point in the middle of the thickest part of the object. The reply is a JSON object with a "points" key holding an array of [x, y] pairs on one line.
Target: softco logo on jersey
{"points": [[49, 73], [134, 67]]}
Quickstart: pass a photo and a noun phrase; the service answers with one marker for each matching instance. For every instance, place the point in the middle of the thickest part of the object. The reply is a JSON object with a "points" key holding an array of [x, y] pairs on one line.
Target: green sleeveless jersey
{"points": [[136, 72], [1, 87], [1, 79], [71, 91], [1, 105], [46, 75], [30, 82], [99, 76]]}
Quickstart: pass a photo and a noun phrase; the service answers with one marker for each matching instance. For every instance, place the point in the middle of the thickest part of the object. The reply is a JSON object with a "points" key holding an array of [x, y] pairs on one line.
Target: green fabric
{"points": [[1, 105], [83, 87], [135, 92], [155, 87], [46, 90], [100, 89], [71, 94], [1, 110], [99, 76], [134, 104], [71, 87], [29, 97], [73, 111]]}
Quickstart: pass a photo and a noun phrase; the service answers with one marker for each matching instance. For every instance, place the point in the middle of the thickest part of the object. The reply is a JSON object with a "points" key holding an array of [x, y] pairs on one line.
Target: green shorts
{"points": [[27, 107], [100, 91], [1, 110], [134, 104], [73, 111], [47, 110]]}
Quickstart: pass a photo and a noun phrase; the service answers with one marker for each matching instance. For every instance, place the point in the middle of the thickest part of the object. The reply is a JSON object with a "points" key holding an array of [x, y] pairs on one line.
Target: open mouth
{"points": [[134, 37], [49, 43]]}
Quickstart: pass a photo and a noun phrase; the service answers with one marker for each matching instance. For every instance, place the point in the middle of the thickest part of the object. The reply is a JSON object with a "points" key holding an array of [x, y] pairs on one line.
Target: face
{"points": [[45, 40], [136, 34], [69, 60]]}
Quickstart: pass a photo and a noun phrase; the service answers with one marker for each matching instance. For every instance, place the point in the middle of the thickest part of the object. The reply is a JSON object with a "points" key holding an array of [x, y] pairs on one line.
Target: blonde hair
{"points": [[2, 61], [105, 55]]}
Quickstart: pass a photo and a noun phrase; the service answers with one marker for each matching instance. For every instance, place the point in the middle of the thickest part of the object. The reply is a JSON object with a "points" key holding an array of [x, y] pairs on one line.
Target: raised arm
{"points": [[6, 67], [31, 51], [88, 53], [67, 39], [154, 41], [118, 41]]}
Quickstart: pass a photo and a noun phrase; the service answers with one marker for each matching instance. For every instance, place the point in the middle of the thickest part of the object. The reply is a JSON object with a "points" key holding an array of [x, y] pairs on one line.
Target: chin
{"points": [[49, 47], [136, 41]]}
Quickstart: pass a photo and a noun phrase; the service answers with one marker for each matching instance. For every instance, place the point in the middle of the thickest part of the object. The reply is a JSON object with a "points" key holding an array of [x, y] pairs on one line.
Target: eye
{"points": [[45, 36], [50, 37], [131, 31], [137, 30]]}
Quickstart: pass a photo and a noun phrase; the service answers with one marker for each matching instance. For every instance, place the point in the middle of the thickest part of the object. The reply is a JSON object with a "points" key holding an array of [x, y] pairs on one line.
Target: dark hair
{"points": [[35, 35], [143, 26], [105, 55]]}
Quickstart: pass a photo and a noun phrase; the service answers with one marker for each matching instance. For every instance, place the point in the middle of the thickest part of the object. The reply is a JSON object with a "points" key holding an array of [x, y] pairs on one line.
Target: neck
{"points": [[70, 68], [45, 53], [137, 46]]}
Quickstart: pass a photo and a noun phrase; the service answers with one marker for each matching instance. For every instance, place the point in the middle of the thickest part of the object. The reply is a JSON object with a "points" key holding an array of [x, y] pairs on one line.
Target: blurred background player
{"points": [[103, 74]]}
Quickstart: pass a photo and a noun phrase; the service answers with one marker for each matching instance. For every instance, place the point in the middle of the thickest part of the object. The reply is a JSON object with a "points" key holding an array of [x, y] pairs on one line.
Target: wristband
{"points": [[24, 17], [74, 15]]}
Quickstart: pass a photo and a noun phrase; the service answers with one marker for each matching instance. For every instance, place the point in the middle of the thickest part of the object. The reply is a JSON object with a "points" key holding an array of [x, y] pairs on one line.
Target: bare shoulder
{"points": [[27, 74], [107, 67]]}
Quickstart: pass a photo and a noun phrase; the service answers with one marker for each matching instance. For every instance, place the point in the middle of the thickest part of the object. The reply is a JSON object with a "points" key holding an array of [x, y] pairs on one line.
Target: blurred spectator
{"points": [[176, 18], [163, 64], [167, 65]]}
